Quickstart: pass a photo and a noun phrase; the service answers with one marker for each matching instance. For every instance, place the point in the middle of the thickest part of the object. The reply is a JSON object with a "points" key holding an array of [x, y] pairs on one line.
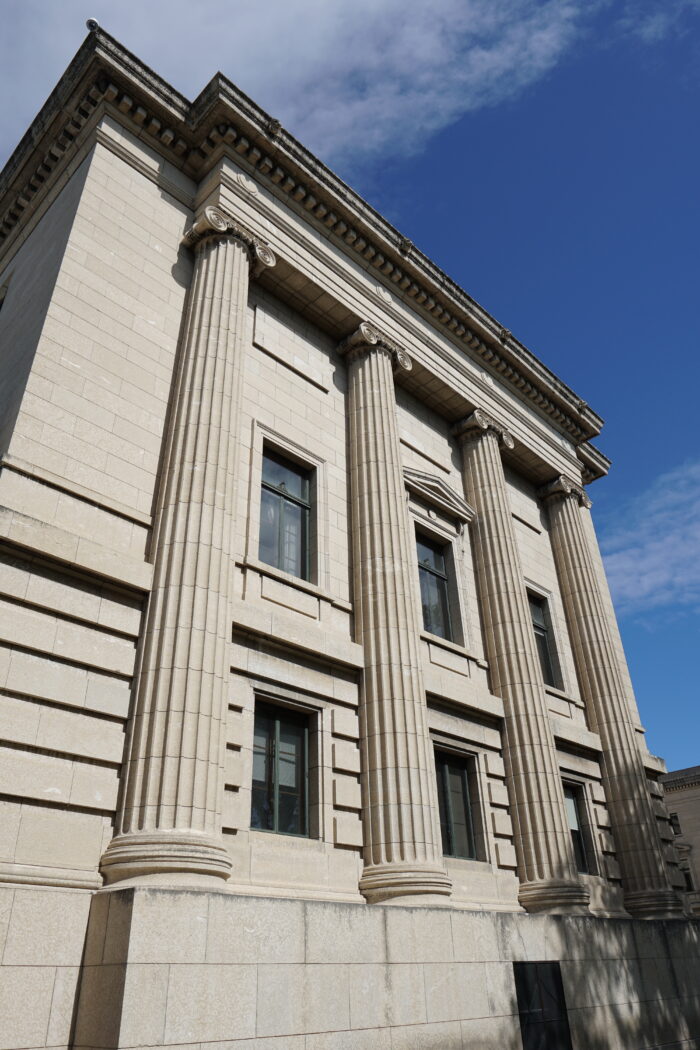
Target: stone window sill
{"points": [[294, 581], [452, 647]]}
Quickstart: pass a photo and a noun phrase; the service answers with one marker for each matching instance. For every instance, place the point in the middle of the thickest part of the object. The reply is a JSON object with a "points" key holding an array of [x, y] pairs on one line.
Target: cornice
{"points": [[223, 120]]}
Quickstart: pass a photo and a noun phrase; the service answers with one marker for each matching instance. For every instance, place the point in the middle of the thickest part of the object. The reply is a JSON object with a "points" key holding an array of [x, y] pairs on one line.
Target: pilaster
{"points": [[402, 848], [546, 866], [169, 817], [645, 880]]}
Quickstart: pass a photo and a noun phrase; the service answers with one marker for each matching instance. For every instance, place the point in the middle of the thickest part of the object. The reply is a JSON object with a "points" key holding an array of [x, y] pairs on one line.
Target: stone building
{"points": [[316, 726], [682, 796]]}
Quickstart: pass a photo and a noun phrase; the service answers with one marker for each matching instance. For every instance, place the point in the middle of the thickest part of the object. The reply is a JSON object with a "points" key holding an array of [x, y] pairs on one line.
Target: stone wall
{"points": [[212, 969]]}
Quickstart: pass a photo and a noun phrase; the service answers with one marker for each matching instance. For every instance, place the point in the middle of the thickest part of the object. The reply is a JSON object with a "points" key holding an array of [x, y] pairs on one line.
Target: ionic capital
{"points": [[214, 224], [367, 338], [483, 421], [562, 487]]}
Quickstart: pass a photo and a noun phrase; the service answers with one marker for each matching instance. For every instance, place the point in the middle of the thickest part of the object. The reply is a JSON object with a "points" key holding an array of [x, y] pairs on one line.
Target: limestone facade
{"points": [[315, 717], [682, 797]]}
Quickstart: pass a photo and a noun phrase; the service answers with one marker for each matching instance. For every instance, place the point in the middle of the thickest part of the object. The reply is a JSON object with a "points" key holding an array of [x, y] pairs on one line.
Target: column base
{"points": [[169, 854], [381, 882], [654, 904], [555, 897]]}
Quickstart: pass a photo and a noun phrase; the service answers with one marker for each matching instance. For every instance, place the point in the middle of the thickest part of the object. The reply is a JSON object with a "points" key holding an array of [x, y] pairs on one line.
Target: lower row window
{"points": [[280, 795], [455, 802]]}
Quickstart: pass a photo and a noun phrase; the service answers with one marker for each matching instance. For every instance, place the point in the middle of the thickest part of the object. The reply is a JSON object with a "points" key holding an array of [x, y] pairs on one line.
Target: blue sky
{"points": [[546, 155]]}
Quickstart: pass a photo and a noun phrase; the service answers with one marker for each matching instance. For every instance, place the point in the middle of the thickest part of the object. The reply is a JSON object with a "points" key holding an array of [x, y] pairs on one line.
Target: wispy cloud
{"points": [[346, 76], [651, 22], [651, 546], [350, 78]]}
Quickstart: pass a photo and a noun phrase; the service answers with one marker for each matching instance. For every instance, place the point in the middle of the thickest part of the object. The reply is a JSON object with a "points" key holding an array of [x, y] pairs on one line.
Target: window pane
{"points": [[291, 772], [454, 805], [262, 807], [571, 808], [433, 593], [430, 556], [269, 528], [293, 540], [440, 769], [571, 801], [279, 771], [542, 643], [462, 839], [537, 611], [286, 476]]}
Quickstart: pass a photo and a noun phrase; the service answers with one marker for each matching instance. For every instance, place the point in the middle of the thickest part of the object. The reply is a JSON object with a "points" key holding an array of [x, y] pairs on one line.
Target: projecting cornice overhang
{"points": [[104, 76]]}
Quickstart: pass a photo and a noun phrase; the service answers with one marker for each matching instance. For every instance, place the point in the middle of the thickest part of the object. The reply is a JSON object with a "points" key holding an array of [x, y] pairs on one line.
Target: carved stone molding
{"points": [[562, 487], [436, 491], [176, 127], [367, 337], [213, 223], [481, 420]]}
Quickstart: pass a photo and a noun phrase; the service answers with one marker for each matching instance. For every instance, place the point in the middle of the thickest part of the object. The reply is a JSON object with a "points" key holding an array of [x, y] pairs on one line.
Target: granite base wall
{"points": [[186, 968]]}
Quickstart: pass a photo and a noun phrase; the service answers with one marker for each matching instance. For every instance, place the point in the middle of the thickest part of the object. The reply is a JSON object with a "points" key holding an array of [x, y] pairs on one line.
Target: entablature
{"points": [[105, 78]]}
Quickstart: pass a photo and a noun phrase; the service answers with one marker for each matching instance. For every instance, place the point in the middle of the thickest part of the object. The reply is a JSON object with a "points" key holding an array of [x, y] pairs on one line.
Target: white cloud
{"points": [[348, 77], [651, 22], [652, 546]]}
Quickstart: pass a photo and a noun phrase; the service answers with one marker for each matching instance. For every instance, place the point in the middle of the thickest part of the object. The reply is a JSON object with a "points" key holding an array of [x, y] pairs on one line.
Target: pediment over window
{"points": [[436, 491]]}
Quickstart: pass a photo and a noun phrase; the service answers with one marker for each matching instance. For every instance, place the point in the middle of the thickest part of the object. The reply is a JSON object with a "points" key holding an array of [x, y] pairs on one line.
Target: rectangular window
{"points": [[455, 805], [285, 510], [434, 592], [675, 824], [574, 808], [544, 1022], [280, 793], [542, 628]]}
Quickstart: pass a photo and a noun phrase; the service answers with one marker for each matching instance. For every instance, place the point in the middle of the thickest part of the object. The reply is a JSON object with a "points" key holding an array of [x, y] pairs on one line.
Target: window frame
{"points": [[428, 527], [445, 582], [264, 439], [295, 715], [469, 761], [286, 499], [585, 829], [548, 634]]}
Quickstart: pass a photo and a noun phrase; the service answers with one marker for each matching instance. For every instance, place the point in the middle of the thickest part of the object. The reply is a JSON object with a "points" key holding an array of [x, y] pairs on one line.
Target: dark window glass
{"points": [[432, 572], [544, 1023], [688, 879], [675, 823], [454, 804], [280, 771], [284, 516], [572, 800], [543, 639]]}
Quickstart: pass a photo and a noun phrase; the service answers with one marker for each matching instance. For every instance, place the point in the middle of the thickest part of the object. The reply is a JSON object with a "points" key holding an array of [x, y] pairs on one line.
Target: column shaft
{"points": [[645, 878], [402, 851], [170, 814], [546, 865]]}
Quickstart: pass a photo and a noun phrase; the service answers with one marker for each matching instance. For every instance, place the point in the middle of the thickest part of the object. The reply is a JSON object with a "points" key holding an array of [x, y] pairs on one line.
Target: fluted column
{"points": [[546, 866], [402, 844], [645, 879], [170, 811]]}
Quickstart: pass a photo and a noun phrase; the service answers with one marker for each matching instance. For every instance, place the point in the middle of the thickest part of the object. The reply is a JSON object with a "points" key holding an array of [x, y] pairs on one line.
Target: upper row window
{"points": [[285, 510], [434, 590], [544, 640]]}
